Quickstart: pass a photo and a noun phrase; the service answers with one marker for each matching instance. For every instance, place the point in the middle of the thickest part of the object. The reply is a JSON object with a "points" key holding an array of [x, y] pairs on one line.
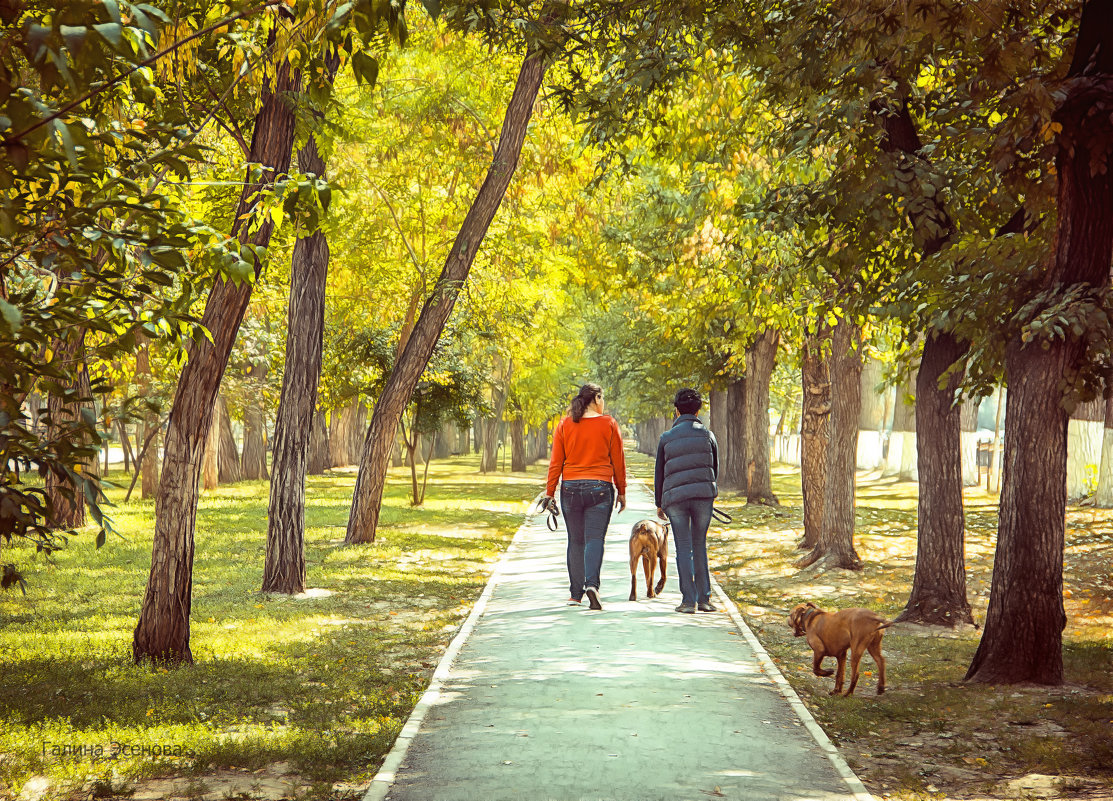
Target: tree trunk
{"points": [[67, 499], [477, 438], [255, 433], [517, 445], [815, 432], [733, 470], [939, 584], [1022, 640], [442, 443], [284, 564], [162, 632], [760, 358], [543, 442], [229, 467], [835, 548], [340, 435], [356, 428], [366, 500], [318, 445], [125, 444], [489, 459], [968, 438], [717, 422]]}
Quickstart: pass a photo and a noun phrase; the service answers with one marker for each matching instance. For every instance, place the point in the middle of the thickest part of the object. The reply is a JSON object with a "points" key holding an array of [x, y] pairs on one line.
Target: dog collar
{"points": [[808, 616]]}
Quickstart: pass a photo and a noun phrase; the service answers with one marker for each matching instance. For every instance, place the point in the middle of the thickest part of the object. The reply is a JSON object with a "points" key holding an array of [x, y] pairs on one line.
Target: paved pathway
{"points": [[538, 701]]}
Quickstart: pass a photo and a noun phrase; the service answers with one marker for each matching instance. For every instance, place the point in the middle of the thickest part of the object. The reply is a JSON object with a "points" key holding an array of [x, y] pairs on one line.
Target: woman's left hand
{"points": [[620, 503]]}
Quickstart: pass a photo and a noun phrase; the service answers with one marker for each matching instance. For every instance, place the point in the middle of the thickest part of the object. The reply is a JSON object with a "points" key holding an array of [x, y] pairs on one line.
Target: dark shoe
{"points": [[707, 607], [593, 598], [686, 609]]}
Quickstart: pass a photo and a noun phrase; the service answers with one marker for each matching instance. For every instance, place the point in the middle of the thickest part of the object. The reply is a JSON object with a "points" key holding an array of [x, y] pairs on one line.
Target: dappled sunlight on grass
{"points": [[322, 682]]}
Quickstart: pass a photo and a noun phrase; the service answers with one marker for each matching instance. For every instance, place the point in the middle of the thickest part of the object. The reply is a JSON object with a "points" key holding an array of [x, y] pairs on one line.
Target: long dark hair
{"points": [[586, 397]]}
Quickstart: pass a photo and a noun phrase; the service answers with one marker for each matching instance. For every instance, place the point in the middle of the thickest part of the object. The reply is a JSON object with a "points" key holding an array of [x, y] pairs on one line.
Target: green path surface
{"points": [[537, 700]]}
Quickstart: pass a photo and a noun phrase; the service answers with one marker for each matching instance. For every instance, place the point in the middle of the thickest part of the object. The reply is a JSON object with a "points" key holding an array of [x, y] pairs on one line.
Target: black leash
{"points": [[548, 505], [721, 516]]}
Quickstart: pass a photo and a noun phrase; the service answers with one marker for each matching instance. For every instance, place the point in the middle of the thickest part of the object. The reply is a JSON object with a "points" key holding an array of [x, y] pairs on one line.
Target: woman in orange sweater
{"points": [[588, 458]]}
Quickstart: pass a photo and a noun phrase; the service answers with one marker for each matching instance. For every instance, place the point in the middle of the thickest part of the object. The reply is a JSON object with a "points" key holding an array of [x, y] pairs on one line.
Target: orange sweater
{"points": [[591, 448]]}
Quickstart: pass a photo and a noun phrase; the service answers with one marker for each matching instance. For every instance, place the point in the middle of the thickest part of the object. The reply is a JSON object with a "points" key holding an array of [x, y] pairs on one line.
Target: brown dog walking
{"points": [[832, 633], [649, 542]]}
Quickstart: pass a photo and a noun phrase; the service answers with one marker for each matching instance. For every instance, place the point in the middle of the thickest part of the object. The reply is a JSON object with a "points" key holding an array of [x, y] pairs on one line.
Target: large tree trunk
{"points": [[1022, 640], [835, 548], [318, 445], [760, 358], [366, 500], [162, 633], [255, 433], [517, 445], [229, 460], [149, 464], [340, 434], [939, 584], [815, 432], [284, 564], [732, 472], [356, 428], [717, 422]]}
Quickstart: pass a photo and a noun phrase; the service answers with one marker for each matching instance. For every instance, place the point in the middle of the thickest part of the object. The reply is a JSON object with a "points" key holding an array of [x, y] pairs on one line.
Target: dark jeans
{"points": [[690, 520], [586, 506]]}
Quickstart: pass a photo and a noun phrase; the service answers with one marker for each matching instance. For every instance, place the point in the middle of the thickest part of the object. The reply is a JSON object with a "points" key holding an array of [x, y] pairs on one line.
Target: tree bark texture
{"points": [[67, 500], [939, 584], [517, 445], [340, 434], [732, 470], [255, 438], [717, 422], [318, 445], [367, 498], [162, 632], [815, 432], [761, 356], [1022, 639], [835, 548], [229, 459], [284, 564]]}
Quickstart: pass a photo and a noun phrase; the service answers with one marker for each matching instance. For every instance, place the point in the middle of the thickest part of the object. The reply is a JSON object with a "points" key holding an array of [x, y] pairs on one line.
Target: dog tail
{"points": [[886, 625]]}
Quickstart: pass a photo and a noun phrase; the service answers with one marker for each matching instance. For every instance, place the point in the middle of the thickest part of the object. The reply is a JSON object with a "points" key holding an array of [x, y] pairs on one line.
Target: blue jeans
{"points": [[586, 505], [690, 520]]}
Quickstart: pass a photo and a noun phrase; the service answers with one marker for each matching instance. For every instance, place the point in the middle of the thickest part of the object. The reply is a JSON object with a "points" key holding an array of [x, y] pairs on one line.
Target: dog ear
{"points": [[813, 606]]}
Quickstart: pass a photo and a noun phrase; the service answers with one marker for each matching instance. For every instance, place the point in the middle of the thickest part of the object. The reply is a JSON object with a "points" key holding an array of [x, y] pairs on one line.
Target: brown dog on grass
{"points": [[649, 541], [832, 633]]}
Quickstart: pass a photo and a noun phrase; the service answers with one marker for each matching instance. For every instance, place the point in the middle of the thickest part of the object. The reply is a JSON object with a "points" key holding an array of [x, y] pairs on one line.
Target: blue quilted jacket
{"points": [[687, 463]]}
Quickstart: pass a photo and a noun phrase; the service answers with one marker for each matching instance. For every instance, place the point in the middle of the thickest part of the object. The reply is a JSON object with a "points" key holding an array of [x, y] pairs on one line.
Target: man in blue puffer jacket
{"points": [[684, 489]]}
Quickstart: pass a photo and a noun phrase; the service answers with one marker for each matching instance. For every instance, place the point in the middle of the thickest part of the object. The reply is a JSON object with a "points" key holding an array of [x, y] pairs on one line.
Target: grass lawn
{"points": [[930, 735], [287, 696]]}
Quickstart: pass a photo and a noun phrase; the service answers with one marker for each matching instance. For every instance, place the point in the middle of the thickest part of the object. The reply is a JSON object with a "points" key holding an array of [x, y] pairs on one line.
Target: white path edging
{"points": [[773, 672], [383, 780]]}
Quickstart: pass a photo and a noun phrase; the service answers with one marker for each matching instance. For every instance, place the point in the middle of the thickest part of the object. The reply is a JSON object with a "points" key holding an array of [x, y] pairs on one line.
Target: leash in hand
{"points": [[544, 503]]}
